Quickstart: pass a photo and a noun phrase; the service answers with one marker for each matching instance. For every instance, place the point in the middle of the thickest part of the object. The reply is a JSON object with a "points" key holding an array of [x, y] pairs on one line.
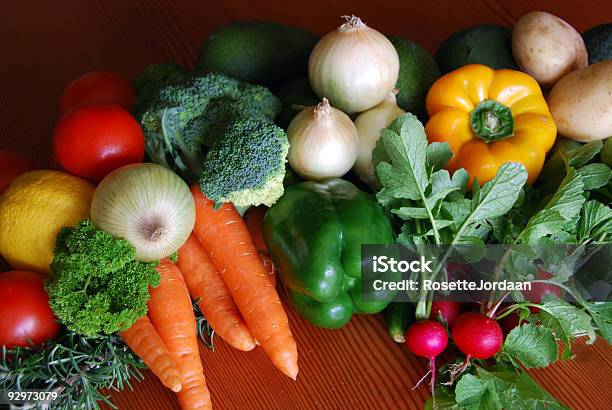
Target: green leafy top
{"points": [[98, 288], [569, 201], [567, 206], [434, 204]]}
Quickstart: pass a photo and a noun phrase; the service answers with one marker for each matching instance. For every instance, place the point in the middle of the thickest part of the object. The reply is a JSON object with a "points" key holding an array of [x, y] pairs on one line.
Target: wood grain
{"points": [[45, 44]]}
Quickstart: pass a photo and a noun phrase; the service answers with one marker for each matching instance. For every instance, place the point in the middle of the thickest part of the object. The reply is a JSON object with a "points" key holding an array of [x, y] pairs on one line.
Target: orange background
{"points": [[45, 44]]}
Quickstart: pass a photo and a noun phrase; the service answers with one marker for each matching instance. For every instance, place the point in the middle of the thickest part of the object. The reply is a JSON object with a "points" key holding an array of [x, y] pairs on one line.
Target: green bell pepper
{"points": [[314, 233]]}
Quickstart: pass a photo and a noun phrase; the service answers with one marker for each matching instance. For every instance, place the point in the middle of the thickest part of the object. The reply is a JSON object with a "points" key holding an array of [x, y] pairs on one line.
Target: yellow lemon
{"points": [[34, 209]]}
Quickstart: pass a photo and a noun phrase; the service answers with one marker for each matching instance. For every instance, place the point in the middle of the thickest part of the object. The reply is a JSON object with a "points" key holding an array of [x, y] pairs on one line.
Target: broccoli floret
{"points": [[247, 166], [260, 98], [98, 287], [189, 96], [224, 110], [170, 119], [220, 129], [156, 75]]}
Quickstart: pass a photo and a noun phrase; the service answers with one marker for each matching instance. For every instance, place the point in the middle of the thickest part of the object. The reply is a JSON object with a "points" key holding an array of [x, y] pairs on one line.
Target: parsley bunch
{"points": [[98, 288]]}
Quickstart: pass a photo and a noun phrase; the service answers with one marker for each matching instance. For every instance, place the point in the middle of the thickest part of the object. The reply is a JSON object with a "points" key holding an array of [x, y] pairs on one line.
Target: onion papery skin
{"points": [[148, 205], [354, 67], [322, 142], [369, 124]]}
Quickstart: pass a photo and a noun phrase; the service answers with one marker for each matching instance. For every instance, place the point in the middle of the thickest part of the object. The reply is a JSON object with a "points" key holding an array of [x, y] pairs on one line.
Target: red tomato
{"points": [[26, 314], [11, 166], [98, 87], [93, 140]]}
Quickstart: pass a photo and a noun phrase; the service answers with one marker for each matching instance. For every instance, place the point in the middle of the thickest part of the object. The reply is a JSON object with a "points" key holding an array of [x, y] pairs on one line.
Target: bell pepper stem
{"points": [[492, 121]]}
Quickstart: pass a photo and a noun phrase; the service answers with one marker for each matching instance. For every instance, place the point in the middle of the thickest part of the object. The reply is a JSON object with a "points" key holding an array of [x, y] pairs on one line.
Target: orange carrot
{"points": [[226, 239], [254, 221], [205, 283], [171, 313], [144, 340]]}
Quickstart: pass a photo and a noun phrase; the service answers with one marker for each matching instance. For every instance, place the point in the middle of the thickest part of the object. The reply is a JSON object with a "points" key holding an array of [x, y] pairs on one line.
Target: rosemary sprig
{"points": [[79, 367], [205, 332], [75, 367]]}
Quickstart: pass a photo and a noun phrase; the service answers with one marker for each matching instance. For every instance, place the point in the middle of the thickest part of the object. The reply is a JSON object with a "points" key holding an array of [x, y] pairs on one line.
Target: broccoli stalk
{"points": [[98, 287], [212, 128]]}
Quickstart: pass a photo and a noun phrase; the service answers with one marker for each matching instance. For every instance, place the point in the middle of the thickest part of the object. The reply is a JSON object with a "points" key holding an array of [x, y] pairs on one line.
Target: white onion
{"points": [[368, 124], [322, 142], [355, 66], [146, 204]]}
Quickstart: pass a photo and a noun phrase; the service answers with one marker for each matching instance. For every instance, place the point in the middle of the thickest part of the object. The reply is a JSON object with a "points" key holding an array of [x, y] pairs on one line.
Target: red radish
{"points": [[427, 339], [477, 335], [447, 309], [540, 289]]}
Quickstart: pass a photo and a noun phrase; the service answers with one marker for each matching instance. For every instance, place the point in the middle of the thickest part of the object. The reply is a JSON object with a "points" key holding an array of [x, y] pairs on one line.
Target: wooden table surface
{"points": [[45, 44]]}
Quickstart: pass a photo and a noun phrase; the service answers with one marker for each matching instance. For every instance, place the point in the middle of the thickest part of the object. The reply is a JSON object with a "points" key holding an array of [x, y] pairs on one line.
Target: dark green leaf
{"points": [[556, 165], [545, 222], [527, 394], [406, 176], [472, 393], [497, 196], [442, 185], [602, 316], [595, 175], [581, 156], [500, 388], [407, 213], [532, 345], [406, 143], [594, 215], [571, 320], [569, 198], [440, 224], [459, 179], [438, 154], [458, 211]]}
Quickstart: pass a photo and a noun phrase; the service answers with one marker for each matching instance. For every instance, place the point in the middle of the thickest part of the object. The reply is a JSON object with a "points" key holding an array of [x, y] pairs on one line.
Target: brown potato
{"points": [[581, 103], [546, 47]]}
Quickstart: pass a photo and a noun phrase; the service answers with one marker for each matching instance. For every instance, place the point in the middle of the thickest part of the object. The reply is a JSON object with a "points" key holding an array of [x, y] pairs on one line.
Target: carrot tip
{"points": [[291, 374], [176, 387]]}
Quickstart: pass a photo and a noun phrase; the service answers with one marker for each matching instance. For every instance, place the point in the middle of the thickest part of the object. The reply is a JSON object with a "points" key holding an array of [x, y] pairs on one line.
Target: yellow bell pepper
{"points": [[489, 117]]}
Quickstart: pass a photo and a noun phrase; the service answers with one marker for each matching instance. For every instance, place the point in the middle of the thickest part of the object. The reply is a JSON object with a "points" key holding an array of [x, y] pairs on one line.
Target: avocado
{"points": [[295, 95], [598, 41], [258, 52], [487, 44], [418, 71]]}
